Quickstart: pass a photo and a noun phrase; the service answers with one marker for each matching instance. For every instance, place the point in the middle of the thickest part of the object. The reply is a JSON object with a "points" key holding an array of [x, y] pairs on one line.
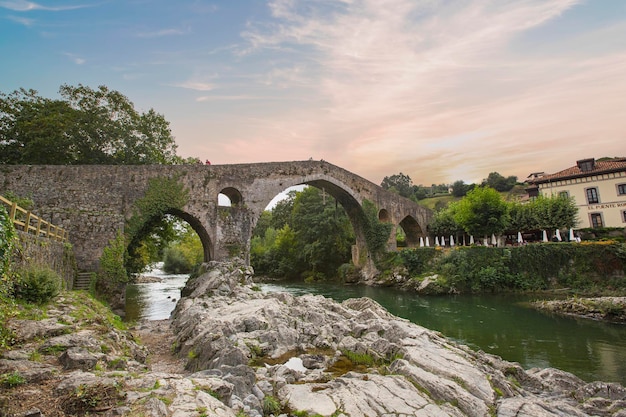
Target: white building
{"points": [[597, 186]]}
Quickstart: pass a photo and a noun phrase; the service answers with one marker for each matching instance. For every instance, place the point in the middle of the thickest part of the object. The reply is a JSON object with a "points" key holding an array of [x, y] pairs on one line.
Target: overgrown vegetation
{"points": [[112, 275], [589, 267], [308, 236], [8, 239], [149, 230], [376, 232]]}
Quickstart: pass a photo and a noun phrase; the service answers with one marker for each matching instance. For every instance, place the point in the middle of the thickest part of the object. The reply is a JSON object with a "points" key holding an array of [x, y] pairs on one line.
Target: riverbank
{"points": [[610, 309], [309, 355], [241, 352]]}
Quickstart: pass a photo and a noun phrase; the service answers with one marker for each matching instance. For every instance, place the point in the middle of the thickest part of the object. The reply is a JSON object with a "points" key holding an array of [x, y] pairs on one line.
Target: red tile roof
{"points": [[600, 167]]}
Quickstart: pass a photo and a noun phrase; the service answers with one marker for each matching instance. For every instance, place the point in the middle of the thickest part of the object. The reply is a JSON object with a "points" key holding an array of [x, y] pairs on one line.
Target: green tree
{"points": [[264, 223], [555, 212], [459, 188], [309, 235], [444, 223], [281, 212], [523, 217], [86, 126], [112, 276], [323, 231], [398, 183], [151, 227], [185, 253], [499, 182], [482, 212]]}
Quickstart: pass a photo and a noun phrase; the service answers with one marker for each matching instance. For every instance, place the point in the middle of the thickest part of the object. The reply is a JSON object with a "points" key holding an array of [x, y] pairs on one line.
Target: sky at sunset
{"points": [[441, 90]]}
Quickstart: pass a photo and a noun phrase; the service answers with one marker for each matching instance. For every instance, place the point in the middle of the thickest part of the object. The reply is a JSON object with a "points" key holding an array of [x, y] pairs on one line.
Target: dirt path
{"points": [[157, 336]]}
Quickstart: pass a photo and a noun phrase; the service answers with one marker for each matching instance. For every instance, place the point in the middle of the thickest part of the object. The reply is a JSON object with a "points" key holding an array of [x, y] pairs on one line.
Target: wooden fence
{"points": [[27, 222]]}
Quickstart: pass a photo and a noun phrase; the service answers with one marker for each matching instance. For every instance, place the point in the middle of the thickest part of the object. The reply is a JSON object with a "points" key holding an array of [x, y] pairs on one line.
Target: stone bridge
{"points": [[95, 202]]}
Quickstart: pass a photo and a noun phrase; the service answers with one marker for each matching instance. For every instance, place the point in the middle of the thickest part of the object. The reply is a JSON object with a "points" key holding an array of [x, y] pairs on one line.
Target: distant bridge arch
{"points": [[95, 202]]}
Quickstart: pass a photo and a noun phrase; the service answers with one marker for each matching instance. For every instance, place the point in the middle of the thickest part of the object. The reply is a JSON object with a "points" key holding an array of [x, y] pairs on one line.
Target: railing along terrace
{"points": [[27, 222]]}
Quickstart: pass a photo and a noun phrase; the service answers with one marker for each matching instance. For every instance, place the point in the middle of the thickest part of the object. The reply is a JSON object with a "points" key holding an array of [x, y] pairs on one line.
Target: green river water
{"points": [[496, 324]]}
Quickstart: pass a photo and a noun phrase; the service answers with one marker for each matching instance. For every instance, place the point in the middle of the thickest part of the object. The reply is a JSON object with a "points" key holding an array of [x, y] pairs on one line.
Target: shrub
{"points": [[418, 260], [174, 261], [112, 276], [37, 284]]}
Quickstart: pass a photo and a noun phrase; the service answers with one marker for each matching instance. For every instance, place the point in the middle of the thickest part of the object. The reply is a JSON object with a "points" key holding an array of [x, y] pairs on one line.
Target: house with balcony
{"points": [[598, 188]]}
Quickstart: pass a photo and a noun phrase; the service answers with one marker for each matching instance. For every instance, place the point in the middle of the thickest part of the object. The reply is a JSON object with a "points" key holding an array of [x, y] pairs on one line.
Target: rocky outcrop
{"points": [[612, 309], [250, 353], [311, 355]]}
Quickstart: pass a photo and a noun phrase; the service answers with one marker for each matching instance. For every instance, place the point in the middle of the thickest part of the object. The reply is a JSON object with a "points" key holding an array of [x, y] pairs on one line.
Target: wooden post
{"points": [[38, 226], [13, 210], [27, 222]]}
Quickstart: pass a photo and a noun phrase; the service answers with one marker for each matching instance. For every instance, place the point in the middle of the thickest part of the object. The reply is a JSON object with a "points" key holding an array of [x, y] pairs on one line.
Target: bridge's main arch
{"points": [[95, 202]]}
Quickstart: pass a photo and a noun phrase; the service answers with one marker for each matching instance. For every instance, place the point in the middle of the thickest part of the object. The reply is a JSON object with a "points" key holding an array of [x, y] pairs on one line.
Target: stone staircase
{"points": [[82, 280]]}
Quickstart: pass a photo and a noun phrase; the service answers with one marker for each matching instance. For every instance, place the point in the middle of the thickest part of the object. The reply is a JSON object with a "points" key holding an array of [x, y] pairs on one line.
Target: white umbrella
{"points": [[421, 242], [463, 239], [443, 241], [436, 240], [558, 235], [471, 239], [427, 241], [519, 237], [545, 236], [494, 242], [571, 235], [486, 241], [451, 240]]}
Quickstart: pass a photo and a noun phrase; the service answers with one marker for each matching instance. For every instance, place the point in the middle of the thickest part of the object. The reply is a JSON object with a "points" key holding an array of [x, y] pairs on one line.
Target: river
{"points": [[498, 324]]}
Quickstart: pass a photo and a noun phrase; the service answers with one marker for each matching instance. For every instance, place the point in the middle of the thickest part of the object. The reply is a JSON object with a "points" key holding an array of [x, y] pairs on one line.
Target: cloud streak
{"points": [[422, 86], [27, 6]]}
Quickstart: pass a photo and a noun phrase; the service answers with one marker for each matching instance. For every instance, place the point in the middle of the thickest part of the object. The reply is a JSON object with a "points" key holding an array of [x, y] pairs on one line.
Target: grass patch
{"points": [[12, 379], [271, 405]]}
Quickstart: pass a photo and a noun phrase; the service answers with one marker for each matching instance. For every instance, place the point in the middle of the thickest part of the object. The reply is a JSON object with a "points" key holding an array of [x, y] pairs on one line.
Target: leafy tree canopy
{"points": [[482, 212], [306, 235], [499, 182], [399, 183], [85, 126]]}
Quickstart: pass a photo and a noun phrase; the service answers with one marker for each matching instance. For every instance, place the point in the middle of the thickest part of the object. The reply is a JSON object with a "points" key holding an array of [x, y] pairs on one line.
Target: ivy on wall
{"points": [[163, 195], [8, 237], [376, 232]]}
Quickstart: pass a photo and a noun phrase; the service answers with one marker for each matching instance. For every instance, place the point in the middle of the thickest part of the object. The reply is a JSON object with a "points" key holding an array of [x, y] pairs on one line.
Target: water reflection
{"points": [[154, 300]]}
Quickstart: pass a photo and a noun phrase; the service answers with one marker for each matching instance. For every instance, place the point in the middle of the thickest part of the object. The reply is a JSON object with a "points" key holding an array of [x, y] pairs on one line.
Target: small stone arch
{"points": [[233, 195], [384, 216], [196, 225], [412, 230]]}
